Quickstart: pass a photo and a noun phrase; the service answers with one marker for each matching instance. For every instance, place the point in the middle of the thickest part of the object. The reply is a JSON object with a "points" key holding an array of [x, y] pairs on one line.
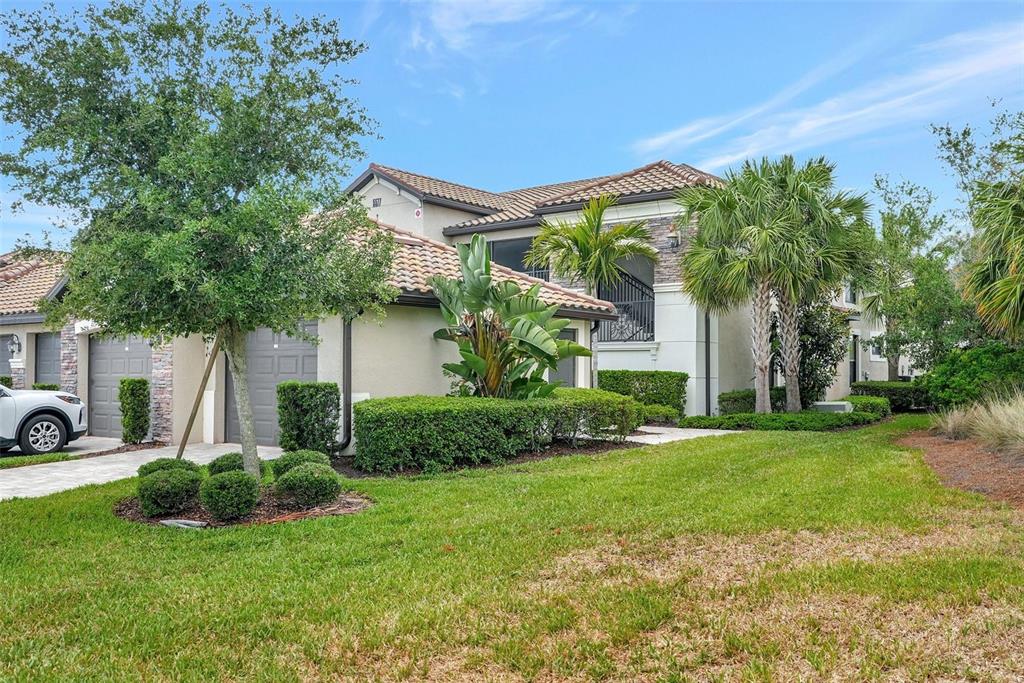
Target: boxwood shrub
{"points": [[309, 484], [903, 396], [660, 415], [229, 462], [230, 495], [296, 458], [133, 395], [308, 414], [744, 401], [6, 381], [433, 433], [879, 405], [807, 420], [650, 387], [167, 491], [968, 376], [45, 386], [167, 464]]}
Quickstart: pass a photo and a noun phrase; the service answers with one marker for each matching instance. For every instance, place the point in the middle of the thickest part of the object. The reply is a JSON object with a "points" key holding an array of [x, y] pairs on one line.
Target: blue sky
{"points": [[508, 94]]}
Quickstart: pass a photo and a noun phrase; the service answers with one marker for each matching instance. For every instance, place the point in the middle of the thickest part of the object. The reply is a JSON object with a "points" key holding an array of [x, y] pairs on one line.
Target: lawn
{"points": [[8, 461], [749, 556]]}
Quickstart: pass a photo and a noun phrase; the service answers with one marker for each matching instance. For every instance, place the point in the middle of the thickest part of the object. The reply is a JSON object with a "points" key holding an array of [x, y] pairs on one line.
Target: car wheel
{"points": [[42, 434]]}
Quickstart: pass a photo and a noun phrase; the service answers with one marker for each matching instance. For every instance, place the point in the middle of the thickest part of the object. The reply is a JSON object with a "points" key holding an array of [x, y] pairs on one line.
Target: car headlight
{"points": [[73, 400]]}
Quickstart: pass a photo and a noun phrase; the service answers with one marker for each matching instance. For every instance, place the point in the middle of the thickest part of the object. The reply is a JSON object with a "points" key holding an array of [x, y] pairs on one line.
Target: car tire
{"points": [[42, 434]]}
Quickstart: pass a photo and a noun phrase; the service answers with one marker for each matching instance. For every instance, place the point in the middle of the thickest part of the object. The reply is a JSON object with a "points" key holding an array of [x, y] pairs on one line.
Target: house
{"points": [[657, 326], [394, 356]]}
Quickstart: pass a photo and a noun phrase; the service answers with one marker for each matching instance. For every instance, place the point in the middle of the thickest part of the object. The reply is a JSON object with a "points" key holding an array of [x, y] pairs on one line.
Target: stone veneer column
{"points": [[69, 359], [161, 392], [18, 373]]}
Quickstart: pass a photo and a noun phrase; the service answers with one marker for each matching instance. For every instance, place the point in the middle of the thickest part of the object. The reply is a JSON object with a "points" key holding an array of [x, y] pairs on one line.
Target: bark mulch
{"points": [[969, 466], [269, 510]]}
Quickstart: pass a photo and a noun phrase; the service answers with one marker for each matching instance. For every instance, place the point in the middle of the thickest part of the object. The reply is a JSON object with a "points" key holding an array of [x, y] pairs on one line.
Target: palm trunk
{"points": [[593, 348], [789, 331], [761, 346], [234, 346]]}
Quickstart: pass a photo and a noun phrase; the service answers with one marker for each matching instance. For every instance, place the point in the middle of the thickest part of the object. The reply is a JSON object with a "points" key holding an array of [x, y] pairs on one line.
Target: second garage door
{"points": [[109, 361], [48, 358], [272, 358]]}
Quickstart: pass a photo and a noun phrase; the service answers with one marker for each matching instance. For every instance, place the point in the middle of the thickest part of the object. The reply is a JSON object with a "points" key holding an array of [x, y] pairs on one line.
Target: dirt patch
{"points": [[269, 510], [968, 466]]}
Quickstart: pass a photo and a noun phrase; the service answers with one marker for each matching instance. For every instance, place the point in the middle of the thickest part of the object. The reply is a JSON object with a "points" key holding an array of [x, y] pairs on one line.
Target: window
{"points": [[877, 352], [850, 294], [512, 253]]}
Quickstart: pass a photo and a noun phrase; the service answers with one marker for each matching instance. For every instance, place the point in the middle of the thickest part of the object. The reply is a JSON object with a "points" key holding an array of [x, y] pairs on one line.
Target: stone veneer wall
{"points": [[18, 374], [161, 392], [69, 359]]}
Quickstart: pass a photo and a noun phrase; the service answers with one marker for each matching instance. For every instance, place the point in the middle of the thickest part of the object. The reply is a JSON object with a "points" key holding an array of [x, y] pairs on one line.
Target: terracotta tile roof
{"points": [[435, 187], [23, 282], [418, 258], [661, 176]]}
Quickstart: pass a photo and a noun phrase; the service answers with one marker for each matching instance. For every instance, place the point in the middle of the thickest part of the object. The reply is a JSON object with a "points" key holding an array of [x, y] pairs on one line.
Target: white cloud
{"points": [[460, 23]]}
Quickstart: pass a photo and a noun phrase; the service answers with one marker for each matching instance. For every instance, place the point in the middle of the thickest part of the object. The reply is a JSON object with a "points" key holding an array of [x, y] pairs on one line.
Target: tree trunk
{"points": [[894, 367], [234, 346], [761, 346], [789, 332]]}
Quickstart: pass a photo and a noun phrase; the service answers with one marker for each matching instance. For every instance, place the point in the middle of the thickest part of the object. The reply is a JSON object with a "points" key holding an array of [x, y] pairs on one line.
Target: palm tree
{"points": [[588, 253]]}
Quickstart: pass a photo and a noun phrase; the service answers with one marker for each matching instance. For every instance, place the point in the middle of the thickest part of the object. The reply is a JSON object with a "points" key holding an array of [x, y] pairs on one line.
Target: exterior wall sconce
{"points": [[673, 241], [14, 345]]}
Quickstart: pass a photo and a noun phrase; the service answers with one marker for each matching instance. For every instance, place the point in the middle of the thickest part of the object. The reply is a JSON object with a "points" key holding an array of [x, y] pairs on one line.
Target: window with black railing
{"points": [[512, 253], [634, 302]]}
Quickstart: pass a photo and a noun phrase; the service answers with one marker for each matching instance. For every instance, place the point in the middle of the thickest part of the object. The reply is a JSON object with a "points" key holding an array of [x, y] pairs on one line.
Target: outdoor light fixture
{"points": [[14, 346], [673, 240]]}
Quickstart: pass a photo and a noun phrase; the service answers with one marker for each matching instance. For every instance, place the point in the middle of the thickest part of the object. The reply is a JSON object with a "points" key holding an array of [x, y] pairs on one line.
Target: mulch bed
{"points": [[269, 510], [345, 466], [968, 466]]}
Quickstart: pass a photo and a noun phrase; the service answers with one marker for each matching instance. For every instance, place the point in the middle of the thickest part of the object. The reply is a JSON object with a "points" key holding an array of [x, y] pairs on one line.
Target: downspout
{"points": [[346, 389], [707, 363]]}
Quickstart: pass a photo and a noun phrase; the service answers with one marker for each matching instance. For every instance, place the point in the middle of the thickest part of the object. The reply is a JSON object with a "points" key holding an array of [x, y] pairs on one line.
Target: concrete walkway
{"points": [[82, 446], [656, 435], [42, 480]]}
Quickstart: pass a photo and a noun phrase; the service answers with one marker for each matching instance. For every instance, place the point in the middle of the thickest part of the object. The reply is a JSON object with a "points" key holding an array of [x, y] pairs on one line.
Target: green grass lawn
{"points": [[8, 461], [750, 556]]}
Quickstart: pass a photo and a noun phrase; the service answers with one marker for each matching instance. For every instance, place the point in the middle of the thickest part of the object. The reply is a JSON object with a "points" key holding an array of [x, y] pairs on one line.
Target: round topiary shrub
{"points": [[289, 460], [230, 495], [167, 464], [168, 490], [229, 462], [309, 484]]}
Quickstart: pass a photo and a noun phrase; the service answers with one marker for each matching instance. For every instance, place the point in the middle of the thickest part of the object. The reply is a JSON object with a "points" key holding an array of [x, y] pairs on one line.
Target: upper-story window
{"points": [[850, 294], [512, 253]]}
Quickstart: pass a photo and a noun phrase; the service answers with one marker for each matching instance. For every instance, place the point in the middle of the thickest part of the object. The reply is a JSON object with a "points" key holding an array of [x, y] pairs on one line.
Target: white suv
{"points": [[40, 421]]}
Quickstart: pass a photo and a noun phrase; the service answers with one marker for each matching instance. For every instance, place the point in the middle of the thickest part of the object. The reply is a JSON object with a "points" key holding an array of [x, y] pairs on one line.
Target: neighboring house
{"points": [[29, 352], [657, 328]]}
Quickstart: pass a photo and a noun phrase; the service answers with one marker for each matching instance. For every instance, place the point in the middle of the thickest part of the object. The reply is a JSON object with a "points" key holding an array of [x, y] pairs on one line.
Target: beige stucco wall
{"points": [[736, 363], [405, 211], [187, 372], [26, 335]]}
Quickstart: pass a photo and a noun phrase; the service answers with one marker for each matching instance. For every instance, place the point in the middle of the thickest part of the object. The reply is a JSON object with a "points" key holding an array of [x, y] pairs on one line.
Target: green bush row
{"points": [[45, 386], [650, 387], [434, 433], [133, 395], [660, 415], [744, 401], [968, 376], [808, 420], [878, 405], [6, 381], [308, 414], [903, 396]]}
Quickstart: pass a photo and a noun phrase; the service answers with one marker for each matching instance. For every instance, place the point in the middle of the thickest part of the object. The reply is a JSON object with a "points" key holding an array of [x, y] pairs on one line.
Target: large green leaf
{"points": [[534, 335]]}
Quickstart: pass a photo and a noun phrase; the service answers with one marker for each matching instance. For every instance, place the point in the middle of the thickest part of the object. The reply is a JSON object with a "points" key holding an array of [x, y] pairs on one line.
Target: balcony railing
{"points": [[634, 301], [539, 273]]}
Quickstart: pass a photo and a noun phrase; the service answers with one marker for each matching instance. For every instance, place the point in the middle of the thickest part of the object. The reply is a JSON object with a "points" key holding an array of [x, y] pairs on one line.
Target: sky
{"points": [[502, 95]]}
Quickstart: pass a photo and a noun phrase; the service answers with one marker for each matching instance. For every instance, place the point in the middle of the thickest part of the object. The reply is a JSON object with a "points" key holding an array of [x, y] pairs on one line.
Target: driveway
{"points": [[83, 446], [42, 480]]}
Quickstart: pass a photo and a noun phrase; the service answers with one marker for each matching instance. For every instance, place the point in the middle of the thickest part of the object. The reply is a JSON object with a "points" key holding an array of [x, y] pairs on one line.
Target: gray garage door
{"points": [[5, 354], [48, 358], [272, 358], [109, 361]]}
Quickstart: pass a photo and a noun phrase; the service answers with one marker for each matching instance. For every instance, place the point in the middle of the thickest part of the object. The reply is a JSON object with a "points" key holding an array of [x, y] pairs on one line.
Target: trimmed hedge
{"points": [[230, 495], [167, 491], [46, 386], [167, 464], [7, 381], [308, 414], [903, 396], [745, 401], [878, 405], [650, 387], [295, 458], [133, 395], [966, 377], [660, 415], [309, 484], [807, 420], [434, 433], [229, 462]]}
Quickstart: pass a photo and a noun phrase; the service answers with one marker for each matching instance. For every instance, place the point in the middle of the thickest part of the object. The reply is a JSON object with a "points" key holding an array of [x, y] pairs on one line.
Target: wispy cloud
{"points": [[957, 67], [460, 24]]}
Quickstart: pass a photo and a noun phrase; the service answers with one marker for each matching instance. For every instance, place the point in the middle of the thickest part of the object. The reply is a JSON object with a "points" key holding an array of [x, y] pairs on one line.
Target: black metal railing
{"points": [[634, 301], [539, 273]]}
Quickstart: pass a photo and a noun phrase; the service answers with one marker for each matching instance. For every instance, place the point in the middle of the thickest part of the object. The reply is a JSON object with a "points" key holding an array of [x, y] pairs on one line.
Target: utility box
{"points": [[833, 406]]}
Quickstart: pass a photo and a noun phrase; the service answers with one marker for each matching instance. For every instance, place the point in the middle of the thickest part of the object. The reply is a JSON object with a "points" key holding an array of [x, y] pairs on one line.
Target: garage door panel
{"points": [[109, 361], [48, 358]]}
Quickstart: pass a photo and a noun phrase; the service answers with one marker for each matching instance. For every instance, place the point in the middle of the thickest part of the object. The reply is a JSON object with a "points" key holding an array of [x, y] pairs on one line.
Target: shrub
{"points": [[903, 396], [956, 423], [168, 490], [650, 387], [133, 395], [229, 462], [308, 414], [6, 381], [969, 376], [309, 484], [744, 401], [663, 415], [295, 458], [807, 420], [167, 464], [45, 386], [230, 495], [433, 433], [997, 422], [879, 405]]}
